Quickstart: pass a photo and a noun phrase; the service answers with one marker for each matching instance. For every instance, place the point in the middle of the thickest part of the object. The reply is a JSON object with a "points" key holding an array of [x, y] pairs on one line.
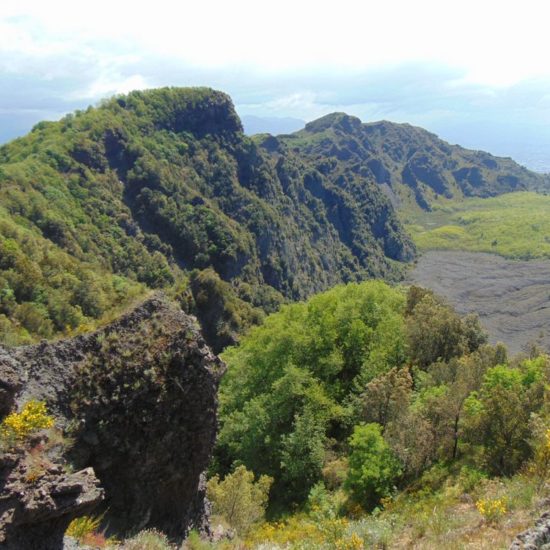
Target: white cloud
{"points": [[497, 43], [107, 85]]}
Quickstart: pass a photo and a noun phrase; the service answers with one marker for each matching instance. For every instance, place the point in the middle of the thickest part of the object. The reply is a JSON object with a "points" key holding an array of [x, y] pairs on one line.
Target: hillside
{"points": [[412, 165], [383, 420], [161, 189], [107, 202]]}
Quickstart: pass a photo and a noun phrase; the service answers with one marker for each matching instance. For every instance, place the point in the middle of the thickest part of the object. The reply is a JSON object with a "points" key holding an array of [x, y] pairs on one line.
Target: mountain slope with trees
{"points": [[162, 189], [147, 186], [412, 165]]}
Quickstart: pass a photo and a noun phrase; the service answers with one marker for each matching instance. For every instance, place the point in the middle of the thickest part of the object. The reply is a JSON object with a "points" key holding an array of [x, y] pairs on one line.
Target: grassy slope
{"points": [[514, 225], [445, 519]]}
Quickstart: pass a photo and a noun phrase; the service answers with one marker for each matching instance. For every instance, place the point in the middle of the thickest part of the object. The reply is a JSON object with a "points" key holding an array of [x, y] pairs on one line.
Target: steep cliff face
{"points": [[139, 400]]}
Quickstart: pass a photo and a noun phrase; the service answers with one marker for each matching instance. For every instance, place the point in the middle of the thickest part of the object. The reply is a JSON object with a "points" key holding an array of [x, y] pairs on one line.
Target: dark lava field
{"points": [[511, 297]]}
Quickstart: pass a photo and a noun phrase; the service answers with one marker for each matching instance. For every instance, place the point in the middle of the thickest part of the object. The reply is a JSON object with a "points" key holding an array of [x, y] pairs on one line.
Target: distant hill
{"points": [[270, 125], [409, 163]]}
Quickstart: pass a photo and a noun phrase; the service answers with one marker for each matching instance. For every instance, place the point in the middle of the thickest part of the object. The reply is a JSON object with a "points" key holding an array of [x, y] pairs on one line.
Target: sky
{"points": [[475, 72]]}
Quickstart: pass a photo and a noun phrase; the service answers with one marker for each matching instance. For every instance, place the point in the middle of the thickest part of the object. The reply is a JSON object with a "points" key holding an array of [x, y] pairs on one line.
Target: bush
{"points": [[85, 530], [492, 510], [238, 499], [150, 539], [17, 427], [540, 465]]}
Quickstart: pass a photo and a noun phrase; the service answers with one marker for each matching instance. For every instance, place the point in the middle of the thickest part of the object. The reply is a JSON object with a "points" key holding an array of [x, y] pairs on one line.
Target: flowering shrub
{"points": [[354, 542], [17, 427], [85, 530], [491, 509]]}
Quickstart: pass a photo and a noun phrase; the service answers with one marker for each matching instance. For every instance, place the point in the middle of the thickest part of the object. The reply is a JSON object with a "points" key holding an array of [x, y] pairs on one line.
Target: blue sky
{"points": [[476, 73]]}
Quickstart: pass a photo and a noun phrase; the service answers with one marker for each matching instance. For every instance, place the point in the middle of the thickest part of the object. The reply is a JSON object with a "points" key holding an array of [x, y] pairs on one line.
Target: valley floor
{"points": [[510, 296]]}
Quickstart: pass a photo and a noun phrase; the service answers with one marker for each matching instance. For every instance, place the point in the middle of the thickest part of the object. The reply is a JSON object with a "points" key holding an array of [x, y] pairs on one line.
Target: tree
{"points": [[434, 332], [373, 468], [387, 396], [497, 417]]}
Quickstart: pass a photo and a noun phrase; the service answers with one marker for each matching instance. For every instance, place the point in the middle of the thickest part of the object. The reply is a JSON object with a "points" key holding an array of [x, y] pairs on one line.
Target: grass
{"points": [[447, 518], [514, 225]]}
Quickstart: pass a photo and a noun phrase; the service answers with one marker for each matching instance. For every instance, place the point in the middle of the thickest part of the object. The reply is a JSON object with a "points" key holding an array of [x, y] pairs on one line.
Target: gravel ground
{"points": [[511, 297]]}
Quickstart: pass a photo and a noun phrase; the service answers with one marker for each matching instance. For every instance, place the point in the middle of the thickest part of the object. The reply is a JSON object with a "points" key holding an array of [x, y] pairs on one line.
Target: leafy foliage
{"points": [[300, 388], [239, 499], [373, 468], [289, 385]]}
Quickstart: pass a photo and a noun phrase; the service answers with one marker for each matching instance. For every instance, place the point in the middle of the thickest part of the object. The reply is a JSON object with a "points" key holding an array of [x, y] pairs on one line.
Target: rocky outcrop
{"points": [[139, 400], [536, 537], [39, 501]]}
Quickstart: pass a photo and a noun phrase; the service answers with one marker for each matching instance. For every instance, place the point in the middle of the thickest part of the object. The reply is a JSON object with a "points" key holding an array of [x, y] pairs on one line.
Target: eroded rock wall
{"points": [[139, 398]]}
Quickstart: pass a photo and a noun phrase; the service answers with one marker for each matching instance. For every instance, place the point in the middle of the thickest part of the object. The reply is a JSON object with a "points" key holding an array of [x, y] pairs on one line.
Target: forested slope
{"points": [[162, 189], [126, 196], [410, 164]]}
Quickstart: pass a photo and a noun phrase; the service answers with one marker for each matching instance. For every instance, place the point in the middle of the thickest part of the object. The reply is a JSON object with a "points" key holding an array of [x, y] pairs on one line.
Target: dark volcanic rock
{"points": [[35, 513], [536, 537], [140, 398]]}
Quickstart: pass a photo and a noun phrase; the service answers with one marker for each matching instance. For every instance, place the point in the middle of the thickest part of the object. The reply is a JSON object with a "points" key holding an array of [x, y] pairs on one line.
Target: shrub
{"points": [[149, 539], [85, 530], [470, 478], [238, 499], [540, 465], [492, 510], [82, 526], [17, 427]]}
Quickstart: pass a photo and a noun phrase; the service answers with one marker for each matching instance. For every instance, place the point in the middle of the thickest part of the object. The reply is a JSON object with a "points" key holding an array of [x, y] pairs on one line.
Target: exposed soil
{"points": [[511, 297]]}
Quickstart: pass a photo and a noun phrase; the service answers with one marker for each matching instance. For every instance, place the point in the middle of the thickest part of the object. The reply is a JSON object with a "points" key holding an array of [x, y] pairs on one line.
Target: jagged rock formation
{"points": [[139, 399], [535, 538], [34, 513]]}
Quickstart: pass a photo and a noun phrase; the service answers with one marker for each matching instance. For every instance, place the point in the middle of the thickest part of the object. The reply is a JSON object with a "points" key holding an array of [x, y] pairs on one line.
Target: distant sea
{"points": [[539, 161], [527, 146]]}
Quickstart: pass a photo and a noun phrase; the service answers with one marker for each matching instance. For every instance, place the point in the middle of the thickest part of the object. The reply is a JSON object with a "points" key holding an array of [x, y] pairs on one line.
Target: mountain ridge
{"points": [[162, 189]]}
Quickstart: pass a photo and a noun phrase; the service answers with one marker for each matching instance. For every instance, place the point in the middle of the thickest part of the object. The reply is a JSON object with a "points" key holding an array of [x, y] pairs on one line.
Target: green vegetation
{"points": [[373, 467], [288, 387], [415, 167], [239, 500], [371, 436], [149, 188], [515, 225], [141, 191]]}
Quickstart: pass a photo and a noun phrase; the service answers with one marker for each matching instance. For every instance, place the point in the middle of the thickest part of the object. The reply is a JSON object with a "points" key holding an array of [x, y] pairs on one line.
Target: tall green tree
{"points": [[373, 468]]}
